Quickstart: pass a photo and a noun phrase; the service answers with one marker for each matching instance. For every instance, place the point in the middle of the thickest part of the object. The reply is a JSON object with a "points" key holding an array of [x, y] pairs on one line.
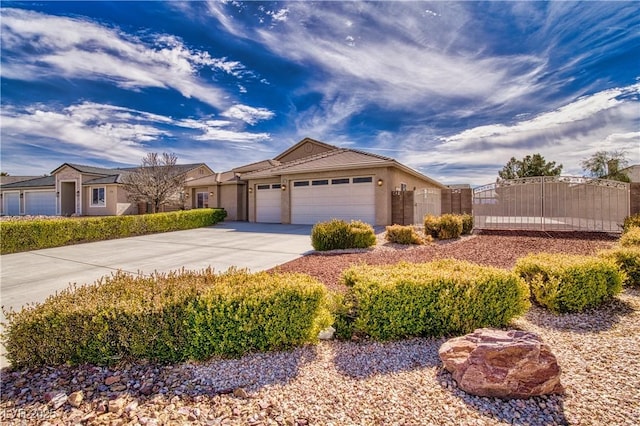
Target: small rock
{"points": [[111, 380], [146, 389], [59, 400], [75, 399], [327, 333], [240, 393], [116, 405], [131, 407], [119, 387]]}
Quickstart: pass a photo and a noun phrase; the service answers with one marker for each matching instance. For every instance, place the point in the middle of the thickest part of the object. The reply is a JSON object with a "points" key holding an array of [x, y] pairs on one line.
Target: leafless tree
{"points": [[156, 181]]}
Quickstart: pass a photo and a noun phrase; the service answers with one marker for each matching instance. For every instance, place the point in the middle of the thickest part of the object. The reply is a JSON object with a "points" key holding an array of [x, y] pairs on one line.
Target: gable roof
{"points": [[39, 182], [304, 141], [86, 169], [335, 159], [5, 180], [256, 166]]}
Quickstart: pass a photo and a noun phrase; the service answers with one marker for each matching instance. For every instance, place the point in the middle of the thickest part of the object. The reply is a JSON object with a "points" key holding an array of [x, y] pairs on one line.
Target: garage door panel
{"points": [[348, 201], [11, 203], [268, 204], [40, 203]]}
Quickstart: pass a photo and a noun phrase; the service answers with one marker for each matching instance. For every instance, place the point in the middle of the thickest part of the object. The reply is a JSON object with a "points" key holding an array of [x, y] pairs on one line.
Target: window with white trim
{"points": [[98, 197]]}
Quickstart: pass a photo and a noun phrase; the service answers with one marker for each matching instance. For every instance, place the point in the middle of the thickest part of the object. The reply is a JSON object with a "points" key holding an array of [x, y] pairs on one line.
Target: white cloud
{"points": [[108, 132], [248, 114], [76, 48], [607, 120]]}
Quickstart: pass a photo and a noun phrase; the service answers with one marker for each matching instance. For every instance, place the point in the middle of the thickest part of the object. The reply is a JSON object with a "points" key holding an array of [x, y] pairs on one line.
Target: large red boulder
{"points": [[504, 364]]}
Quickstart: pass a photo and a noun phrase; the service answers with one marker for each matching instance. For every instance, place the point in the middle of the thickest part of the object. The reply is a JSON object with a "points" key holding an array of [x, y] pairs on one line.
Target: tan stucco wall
{"points": [[116, 202], [67, 174]]}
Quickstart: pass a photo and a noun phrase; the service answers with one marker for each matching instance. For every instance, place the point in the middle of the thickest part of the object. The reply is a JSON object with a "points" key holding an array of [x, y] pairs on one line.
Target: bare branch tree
{"points": [[156, 181], [607, 165]]}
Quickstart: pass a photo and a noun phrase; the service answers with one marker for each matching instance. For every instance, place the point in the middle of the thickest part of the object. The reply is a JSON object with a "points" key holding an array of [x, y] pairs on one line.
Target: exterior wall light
{"points": [[57, 194], [77, 193], [380, 182], [284, 187], [211, 194], [21, 195], [250, 190]]}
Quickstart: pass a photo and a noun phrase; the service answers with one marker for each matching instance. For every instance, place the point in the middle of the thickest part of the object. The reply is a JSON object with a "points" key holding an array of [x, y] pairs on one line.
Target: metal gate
{"points": [[552, 203]]}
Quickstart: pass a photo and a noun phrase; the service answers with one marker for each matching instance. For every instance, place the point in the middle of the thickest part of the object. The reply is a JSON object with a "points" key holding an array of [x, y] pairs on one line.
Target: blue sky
{"points": [[451, 89]]}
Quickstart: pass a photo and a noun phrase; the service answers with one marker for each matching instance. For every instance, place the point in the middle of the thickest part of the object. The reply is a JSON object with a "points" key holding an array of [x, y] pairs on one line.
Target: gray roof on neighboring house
{"points": [[182, 168], [5, 180], [45, 181], [87, 169]]}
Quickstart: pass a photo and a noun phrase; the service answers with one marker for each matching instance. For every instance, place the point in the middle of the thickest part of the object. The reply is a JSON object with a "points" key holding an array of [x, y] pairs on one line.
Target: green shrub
{"points": [[467, 224], [631, 222], [36, 234], [403, 235], [450, 226], [430, 299], [338, 234], [628, 261], [631, 238], [445, 227], [168, 318], [569, 283]]}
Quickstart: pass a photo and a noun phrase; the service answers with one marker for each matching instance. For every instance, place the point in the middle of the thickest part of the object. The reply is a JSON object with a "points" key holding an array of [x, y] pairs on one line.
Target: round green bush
{"points": [[338, 234]]}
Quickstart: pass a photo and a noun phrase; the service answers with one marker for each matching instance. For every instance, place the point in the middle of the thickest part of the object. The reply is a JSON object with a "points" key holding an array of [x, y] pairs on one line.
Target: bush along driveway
{"points": [[25, 235]]}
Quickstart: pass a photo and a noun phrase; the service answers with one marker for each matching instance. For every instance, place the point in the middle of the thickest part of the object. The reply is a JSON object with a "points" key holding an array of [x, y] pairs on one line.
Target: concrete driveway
{"points": [[32, 276]]}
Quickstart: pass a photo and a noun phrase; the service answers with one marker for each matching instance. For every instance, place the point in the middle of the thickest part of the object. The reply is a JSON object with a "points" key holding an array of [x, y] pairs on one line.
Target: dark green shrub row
{"points": [[448, 226], [404, 235], [569, 283], [430, 299], [168, 318], [338, 234], [628, 261], [36, 234], [631, 222], [631, 237]]}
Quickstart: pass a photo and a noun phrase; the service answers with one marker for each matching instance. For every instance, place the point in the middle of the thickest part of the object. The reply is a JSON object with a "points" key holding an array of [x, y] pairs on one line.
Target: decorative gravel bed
{"points": [[358, 383]]}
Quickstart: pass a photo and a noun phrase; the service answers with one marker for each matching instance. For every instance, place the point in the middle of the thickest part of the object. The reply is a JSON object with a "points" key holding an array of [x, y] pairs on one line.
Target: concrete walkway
{"points": [[32, 276]]}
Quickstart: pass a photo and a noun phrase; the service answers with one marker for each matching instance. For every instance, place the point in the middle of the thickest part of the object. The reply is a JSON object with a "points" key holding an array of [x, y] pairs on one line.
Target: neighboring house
{"points": [[633, 172], [74, 189], [313, 181]]}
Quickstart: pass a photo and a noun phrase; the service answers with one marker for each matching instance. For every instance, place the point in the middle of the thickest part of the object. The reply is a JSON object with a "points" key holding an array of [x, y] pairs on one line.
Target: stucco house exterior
{"points": [[73, 189], [313, 181]]}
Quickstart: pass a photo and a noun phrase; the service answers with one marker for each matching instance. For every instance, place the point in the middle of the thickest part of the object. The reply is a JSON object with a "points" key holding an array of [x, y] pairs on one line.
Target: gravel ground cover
{"points": [[358, 382]]}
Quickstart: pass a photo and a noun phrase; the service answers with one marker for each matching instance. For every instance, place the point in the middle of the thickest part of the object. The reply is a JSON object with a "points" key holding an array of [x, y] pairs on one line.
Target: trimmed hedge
{"points": [[628, 261], [445, 227], [570, 283], [339, 234], [23, 235], [168, 318], [404, 235], [631, 237], [431, 299]]}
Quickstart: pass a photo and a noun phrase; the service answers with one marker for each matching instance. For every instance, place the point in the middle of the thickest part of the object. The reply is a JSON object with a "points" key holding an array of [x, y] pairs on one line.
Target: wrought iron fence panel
{"points": [[552, 203]]}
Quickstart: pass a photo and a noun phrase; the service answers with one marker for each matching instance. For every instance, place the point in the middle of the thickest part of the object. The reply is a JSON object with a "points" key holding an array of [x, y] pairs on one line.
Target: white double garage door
{"points": [[318, 200], [35, 203]]}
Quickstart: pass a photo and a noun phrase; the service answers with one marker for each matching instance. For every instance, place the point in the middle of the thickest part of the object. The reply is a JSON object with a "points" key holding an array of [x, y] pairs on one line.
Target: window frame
{"points": [[93, 202]]}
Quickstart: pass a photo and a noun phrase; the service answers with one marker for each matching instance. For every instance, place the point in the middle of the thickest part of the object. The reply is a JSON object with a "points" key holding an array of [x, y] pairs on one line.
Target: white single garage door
{"points": [[40, 203], [268, 203], [11, 203], [318, 200]]}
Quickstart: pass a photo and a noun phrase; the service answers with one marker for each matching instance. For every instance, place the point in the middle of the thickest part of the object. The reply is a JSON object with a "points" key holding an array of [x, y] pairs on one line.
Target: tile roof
{"points": [[32, 183], [339, 158]]}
